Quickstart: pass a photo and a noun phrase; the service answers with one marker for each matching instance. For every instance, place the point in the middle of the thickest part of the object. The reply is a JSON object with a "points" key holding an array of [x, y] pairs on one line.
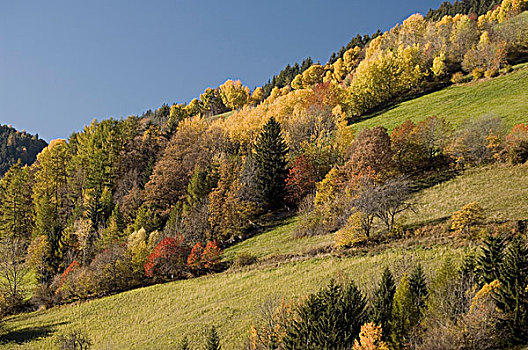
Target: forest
{"points": [[145, 200]]}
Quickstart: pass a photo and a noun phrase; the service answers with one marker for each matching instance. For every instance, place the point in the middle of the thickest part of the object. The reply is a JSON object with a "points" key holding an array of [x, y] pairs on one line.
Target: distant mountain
{"points": [[15, 145]]}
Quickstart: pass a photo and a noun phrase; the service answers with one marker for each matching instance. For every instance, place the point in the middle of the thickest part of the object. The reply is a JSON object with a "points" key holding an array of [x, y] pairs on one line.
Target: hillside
{"points": [[158, 317], [503, 97], [16, 145]]}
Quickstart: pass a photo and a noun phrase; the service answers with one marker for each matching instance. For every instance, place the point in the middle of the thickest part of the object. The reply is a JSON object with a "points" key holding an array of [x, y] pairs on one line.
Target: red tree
{"points": [[168, 260], [211, 255], [301, 179], [194, 260]]}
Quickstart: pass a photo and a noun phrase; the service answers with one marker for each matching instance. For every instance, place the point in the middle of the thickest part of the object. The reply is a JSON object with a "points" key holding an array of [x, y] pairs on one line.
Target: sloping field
{"points": [[158, 317], [505, 96]]}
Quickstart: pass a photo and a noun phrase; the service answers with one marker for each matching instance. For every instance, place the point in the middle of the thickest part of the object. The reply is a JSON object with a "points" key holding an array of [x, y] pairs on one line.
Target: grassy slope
{"points": [[157, 317], [501, 190], [278, 242], [504, 96]]}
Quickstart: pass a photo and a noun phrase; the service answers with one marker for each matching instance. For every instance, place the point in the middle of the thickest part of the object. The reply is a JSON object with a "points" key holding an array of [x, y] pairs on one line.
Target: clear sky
{"points": [[64, 63]]}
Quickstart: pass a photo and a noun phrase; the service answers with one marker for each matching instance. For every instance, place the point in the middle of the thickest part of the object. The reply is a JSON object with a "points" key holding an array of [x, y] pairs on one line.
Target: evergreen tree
{"points": [[383, 300], [328, 319], [270, 156], [512, 296], [491, 258], [418, 292], [213, 341], [184, 344], [400, 322]]}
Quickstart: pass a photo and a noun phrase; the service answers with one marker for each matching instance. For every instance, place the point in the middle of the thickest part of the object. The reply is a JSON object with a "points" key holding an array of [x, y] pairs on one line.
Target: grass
{"points": [[277, 242], [157, 317], [504, 96], [502, 191]]}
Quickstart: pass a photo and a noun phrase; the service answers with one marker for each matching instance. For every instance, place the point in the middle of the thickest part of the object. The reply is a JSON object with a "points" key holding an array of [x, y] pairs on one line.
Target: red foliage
{"points": [[195, 258], [168, 258], [211, 255], [301, 179], [518, 133]]}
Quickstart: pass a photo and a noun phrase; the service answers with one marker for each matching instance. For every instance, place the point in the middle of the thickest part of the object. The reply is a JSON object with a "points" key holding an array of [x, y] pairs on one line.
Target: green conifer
{"points": [[270, 156], [383, 300], [213, 341]]}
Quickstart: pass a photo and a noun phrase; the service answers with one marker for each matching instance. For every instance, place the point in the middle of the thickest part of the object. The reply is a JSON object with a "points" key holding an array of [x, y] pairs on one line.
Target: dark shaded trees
{"points": [[270, 157]]}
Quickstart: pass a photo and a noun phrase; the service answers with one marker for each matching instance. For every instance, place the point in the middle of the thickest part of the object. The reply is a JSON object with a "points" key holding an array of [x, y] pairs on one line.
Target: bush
{"points": [[352, 234], [244, 259], [477, 73], [492, 72], [464, 220], [74, 340], [458, 78]]}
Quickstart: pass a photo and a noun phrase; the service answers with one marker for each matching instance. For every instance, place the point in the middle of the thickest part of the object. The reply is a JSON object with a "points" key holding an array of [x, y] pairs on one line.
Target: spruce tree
{"points": [[184, 344], [328, 319], [512, 296], [270, 157], [418, 290], [383, 300], [491, 258], [213, 341]]}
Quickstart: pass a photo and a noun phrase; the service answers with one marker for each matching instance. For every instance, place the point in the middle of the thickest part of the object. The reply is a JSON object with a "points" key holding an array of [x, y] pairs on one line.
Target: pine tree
{"points": [[184, 344], [213, 341], [270, 156], [491, 258], [382, 306], [400, 322], [512, 296], [418, 290], [328, 319]]}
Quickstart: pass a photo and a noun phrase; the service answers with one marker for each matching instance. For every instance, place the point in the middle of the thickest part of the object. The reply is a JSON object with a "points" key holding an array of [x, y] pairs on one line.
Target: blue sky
{"points": [[64, 63]]}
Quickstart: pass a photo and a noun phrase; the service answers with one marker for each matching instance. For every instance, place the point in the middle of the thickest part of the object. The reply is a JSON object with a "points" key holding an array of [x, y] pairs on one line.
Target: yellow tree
{"points": [[370, 338], [234, 94]]}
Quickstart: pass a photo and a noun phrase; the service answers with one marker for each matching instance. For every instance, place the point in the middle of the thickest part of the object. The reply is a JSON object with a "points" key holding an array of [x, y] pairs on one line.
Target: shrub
{"points": [[464, 220], [211, 256], [477, 73], [517, 144], [458, 78], [352, 234], [492, 72], [370, 338], [244, 259], [74, 340]]}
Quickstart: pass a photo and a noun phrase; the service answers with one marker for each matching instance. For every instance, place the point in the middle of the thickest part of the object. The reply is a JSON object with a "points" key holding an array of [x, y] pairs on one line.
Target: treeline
{"points": [[16, 145], [466, 7]]}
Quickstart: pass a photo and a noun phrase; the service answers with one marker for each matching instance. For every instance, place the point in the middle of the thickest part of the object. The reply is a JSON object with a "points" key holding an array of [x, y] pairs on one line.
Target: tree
{"points": [[372, 148], [194, 260], [213, 340], [517, 144], [270, 156], [168, 260], [491, 258], [328, 319], [184, 344], [234, 94], [383, 300], [512, 296], [418, 292], [211, 255], [392, 199], [12, 271], [16, 207], [370, 338]]}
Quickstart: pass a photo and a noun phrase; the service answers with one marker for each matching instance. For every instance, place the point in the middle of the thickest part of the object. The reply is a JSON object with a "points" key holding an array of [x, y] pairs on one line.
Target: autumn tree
{"points": [[372, 148], [234, 95], [370, 338], [517, 144], [270, 156], [168, 260], [13, 271]]}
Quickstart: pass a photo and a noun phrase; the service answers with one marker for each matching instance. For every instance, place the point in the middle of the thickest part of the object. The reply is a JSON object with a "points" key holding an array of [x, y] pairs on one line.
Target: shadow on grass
{"points": [[24, 335]]}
